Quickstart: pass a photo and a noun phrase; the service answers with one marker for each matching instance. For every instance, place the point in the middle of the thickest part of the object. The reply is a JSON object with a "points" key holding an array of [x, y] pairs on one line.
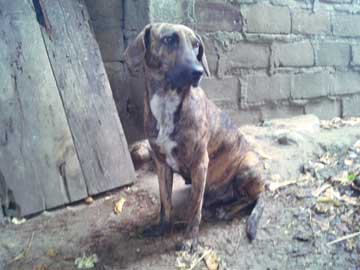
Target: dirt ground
{"points": [[311, 200]]}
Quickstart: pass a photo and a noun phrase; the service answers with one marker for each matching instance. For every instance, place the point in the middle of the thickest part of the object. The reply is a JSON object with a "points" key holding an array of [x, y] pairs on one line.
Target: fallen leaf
{"points": [[321, 189], [321, 208], [17, 221], [119, 206], [89, 200], [328, 159], [86, 262], [186, 260], [348, 162], [349, 200], [212, 260]]}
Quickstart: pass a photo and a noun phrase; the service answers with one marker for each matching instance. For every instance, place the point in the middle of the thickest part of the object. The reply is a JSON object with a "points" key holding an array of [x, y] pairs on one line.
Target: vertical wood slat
{"points": [[86, 94], [37, 155]]}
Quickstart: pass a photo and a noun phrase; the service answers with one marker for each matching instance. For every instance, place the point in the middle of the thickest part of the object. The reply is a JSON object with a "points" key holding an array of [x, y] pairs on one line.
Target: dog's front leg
{"points": [[198, 177], [165, 178]]}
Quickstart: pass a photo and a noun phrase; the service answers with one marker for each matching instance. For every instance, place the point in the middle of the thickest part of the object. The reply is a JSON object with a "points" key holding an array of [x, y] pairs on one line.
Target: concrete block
{"points": [[105, 14], [244, 55], [351, 106], [261, 87], [264, 18], [298, 54], [346, 83], [211, 16], [165, 11], [225, 89], [310, 85], [137, 14], [324, 108], [355, 52], [346, 25], [305, 22], [333, 54]]}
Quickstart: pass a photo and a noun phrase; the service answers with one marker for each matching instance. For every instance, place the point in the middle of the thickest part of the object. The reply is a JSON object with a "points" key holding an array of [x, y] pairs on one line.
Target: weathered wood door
{"points": [[60, 135]]}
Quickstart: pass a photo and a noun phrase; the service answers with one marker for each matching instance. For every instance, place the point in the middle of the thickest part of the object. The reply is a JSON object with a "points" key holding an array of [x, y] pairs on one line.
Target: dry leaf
{"points": [[321, 189], [119, 206], [277, 185], [86, 262], [327, 159], [17, 221], [212, 261], [348, 162], [89, 200], [349, 200]]}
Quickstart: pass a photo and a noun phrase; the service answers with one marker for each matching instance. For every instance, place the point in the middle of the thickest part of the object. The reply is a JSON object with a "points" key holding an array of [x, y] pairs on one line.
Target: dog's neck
{"points": [[156, 84]]}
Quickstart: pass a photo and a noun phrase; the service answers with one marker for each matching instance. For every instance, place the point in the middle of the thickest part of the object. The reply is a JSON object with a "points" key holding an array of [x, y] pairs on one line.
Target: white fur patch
{"points": [[163, 108]]}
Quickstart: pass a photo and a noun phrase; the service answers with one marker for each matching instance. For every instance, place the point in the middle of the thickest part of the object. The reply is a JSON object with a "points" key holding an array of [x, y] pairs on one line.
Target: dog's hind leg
{"points": [[165, 177]]}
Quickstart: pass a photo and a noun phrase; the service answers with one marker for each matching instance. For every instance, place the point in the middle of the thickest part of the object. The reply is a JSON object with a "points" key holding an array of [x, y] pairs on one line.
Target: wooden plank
{"points": [[37, 155], [86, 94]]}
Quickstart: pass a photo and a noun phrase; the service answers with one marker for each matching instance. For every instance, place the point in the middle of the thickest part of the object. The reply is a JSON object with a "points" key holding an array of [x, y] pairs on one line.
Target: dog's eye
{"points": [[170, 41], [196, 47]]}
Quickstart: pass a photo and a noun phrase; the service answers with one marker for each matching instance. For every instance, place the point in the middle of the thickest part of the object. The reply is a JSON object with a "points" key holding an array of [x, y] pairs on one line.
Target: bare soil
{"points": [[309, 203]]}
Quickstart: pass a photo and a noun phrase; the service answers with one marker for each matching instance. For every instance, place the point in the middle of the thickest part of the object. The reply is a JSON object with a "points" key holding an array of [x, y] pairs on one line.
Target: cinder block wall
{"points": [[268, 58]]}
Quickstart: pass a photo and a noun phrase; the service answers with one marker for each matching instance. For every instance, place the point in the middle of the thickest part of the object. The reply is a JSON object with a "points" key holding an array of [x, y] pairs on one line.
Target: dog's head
{"points": [[171, 52]]}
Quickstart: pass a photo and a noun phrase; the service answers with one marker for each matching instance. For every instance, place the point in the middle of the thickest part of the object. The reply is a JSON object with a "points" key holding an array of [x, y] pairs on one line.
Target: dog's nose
{"points": [[197, 72]]}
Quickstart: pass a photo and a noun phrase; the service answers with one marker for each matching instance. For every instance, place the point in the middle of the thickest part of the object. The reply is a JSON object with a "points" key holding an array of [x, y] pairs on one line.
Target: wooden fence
{"points": [[60, 135]]}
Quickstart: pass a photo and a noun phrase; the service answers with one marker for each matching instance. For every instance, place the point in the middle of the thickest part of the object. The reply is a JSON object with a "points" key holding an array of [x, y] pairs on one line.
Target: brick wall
{"points": [[268, 58]]}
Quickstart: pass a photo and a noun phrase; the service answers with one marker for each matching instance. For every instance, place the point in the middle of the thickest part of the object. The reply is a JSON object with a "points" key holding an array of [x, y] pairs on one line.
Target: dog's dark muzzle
{"points": [[185, 75]]}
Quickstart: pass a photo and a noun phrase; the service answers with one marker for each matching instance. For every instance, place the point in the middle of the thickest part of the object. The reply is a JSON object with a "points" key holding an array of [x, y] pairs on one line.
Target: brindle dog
{"points": [[187, 132]]}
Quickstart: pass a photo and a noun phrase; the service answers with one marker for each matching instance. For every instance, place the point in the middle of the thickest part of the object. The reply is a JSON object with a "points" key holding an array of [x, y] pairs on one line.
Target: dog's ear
{"points": [[135, 53], [202, 57]]}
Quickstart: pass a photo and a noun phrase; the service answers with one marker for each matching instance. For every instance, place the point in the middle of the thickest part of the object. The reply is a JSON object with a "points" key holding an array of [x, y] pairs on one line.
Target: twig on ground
{"points": [[25, 251], [352, 235]]}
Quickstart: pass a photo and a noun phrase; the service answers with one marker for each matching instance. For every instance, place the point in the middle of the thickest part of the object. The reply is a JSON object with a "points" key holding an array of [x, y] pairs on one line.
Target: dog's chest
{"points": [[163, 109]]}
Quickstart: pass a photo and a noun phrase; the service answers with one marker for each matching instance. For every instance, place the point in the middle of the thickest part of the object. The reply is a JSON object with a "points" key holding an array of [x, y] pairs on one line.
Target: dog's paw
{"points": [[190, 246], [156, 230]]}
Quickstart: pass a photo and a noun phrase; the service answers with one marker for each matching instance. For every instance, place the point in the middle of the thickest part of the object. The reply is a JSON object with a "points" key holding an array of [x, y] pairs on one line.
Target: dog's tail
{"points": [[253, 219]]}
